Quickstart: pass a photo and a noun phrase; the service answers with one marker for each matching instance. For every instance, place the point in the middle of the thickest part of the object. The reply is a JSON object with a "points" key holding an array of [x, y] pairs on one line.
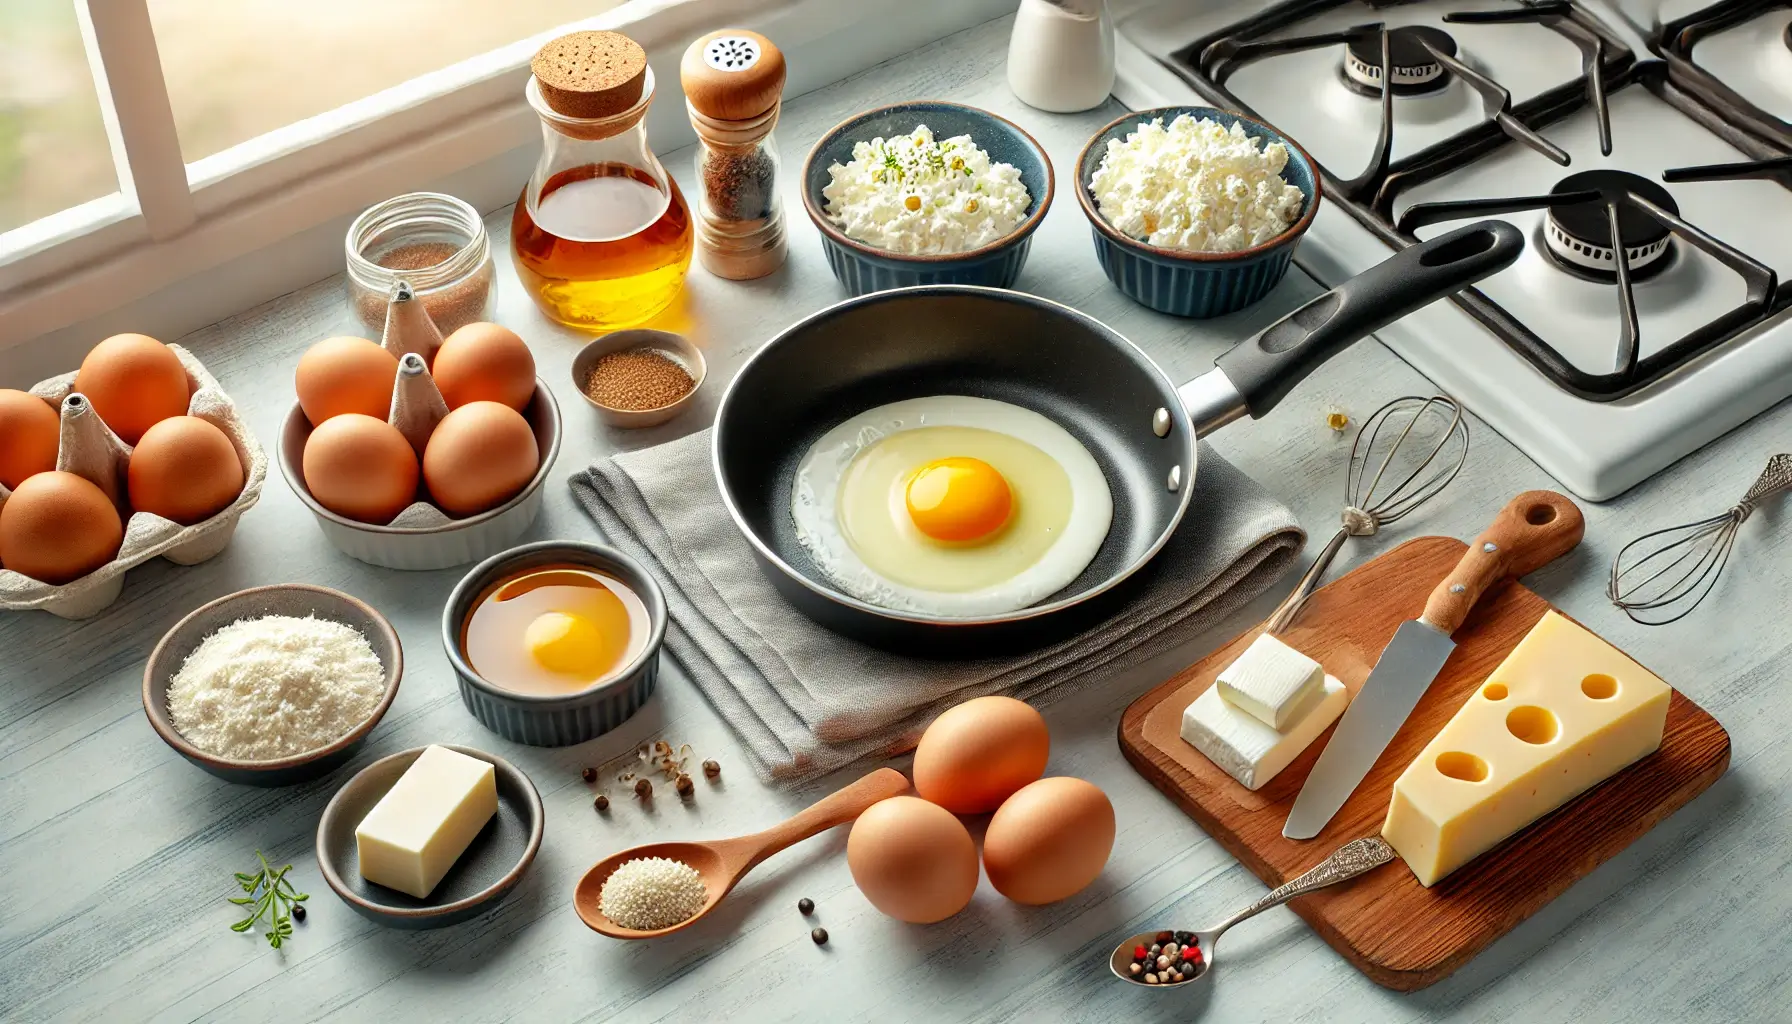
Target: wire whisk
{"points": [[1405, 453], [1663, 575]]}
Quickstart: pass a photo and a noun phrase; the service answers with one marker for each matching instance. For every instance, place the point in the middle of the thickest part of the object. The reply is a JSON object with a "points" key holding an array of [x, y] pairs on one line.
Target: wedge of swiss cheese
{"points": [[1562, 713]]}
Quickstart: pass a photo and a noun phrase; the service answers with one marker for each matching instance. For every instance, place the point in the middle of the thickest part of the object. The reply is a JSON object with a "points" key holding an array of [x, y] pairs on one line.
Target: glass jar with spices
{"points": [[602, 235], [435, 243], [733, 83]]}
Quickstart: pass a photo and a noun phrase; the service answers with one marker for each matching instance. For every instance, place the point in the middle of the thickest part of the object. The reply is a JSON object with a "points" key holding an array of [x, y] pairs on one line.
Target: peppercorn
{"points": [[1138, 952], [602, 803], [1184, 938], [1136, 970], [589, 775], [711, 769], [1191, 953], [805, 906], [820, 935], [684, 785], [644, 789], [298, 912], [1165, 936], [1150, 979]]}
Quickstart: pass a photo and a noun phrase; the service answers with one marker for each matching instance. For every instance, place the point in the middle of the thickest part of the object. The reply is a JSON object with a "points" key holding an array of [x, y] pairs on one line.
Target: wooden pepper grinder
{"points": [[733, 83]]}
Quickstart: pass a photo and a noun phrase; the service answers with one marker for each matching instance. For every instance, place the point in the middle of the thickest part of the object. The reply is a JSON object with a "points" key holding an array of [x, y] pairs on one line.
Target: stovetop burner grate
{"points": [[1632, 207], [1675, 40]]}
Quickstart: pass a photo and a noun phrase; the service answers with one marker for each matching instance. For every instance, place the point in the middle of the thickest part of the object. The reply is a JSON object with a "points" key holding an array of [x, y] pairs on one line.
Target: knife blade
{"points": [[1534, 529]]}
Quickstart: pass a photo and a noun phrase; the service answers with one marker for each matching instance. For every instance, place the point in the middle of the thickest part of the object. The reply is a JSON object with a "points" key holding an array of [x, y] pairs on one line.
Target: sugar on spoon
{"points": [[1347, 862], [723, 862]]}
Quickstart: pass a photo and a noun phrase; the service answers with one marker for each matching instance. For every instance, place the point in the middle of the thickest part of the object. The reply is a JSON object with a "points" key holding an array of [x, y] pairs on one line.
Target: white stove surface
{"points": [[1597, 450], [1753, 59]]}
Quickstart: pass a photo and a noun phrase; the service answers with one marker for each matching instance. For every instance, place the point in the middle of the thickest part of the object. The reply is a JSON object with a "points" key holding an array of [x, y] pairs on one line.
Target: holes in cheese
{"points": [[1525, 745], [1533, 724], [1599, 686], [1466, 767]]}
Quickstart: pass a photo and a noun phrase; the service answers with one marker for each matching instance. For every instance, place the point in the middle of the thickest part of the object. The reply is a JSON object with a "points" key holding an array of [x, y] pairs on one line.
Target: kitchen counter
{"points": [[116, 855]]}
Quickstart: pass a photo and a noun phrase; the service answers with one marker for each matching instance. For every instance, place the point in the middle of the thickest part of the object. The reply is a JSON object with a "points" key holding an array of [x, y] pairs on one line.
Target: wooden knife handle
{"points": [[1534, 529]]}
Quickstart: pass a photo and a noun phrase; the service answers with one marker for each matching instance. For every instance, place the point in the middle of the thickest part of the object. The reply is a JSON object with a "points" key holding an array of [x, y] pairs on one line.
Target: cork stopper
{"points": [[590, 74], [732, 75]]}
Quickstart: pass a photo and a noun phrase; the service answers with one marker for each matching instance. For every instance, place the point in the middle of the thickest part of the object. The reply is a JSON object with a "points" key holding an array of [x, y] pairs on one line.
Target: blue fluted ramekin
{"points": [[864, 268], [1195, 284], [563, 720]]}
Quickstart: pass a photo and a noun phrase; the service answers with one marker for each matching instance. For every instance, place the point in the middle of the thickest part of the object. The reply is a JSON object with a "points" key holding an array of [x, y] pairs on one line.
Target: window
{"points": [[53, 149], [237, 69]]}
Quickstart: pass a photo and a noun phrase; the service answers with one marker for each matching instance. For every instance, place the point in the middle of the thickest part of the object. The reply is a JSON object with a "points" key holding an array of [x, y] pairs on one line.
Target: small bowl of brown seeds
{"points": [[640, 377]]}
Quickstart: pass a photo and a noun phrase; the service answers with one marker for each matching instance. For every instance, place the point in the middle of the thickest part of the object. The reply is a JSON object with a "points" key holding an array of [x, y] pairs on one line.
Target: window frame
{"points": [[270, 197]]}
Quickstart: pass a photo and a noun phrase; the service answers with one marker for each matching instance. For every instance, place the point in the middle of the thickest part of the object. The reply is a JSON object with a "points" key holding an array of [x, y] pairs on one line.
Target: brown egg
{"points": [[29, 433], [977, 753], [912, 859], [479, 457], [134, 382], [58, 527], [1049, 841], [360, 467], [338, 376], [484, 362], [184, 469]]}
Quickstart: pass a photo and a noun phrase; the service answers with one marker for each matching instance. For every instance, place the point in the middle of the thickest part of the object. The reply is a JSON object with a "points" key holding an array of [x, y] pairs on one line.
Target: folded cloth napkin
{"points": [[808, 701]]}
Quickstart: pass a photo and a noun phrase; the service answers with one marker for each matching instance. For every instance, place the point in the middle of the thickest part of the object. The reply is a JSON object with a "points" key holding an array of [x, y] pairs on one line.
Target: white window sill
{"points": [[272, 212]]}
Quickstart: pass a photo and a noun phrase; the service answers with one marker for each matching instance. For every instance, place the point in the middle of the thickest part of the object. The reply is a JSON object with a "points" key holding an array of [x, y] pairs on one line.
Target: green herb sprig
{"points": [[269, 895]]}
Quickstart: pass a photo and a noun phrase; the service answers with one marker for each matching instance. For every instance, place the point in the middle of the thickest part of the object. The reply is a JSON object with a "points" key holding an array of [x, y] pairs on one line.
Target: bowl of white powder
{"points": [[273, 685], [926, 192], [1195, 211]]}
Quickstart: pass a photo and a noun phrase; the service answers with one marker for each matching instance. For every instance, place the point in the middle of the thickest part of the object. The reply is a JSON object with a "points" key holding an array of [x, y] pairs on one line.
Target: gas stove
{"points": [[1650, 313]]}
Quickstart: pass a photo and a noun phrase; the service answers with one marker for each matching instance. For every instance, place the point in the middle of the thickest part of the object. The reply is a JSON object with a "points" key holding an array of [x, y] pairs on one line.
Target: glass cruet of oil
{"points": [[601, 235]]}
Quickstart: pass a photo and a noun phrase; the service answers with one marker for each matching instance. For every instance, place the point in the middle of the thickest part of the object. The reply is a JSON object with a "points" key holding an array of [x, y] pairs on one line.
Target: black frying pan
{"points": [[991, 343]]}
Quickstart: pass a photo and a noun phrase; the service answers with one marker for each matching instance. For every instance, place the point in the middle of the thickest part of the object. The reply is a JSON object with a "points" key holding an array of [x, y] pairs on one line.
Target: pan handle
{"points": [[1256, 374]]}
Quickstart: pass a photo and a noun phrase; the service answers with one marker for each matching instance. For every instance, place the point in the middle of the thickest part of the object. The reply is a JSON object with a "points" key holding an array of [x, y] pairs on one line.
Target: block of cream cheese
{"points": [[1562, 713], [424, 822], [1244, 747], [1274, 682]]}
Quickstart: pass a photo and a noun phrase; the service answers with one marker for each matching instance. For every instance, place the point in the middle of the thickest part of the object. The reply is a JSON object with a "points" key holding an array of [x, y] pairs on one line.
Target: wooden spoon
{"points": [[723, 862]]}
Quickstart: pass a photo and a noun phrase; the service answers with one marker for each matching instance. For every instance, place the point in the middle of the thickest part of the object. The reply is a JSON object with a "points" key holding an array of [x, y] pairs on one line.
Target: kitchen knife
{"points": [[1534, 529]]}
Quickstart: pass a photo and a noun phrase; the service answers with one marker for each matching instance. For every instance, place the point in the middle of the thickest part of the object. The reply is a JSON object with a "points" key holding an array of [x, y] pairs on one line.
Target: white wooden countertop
{"points": [[116, 855]]}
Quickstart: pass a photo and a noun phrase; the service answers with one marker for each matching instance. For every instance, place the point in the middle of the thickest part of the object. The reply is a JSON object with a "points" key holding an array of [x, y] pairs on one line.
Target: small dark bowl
{"points": [[1195, 284], [570, 718], [864, 268], [299, 599], [491, 866]]}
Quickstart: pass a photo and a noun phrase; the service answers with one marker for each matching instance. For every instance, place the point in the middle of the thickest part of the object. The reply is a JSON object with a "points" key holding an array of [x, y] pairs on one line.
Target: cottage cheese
{"points": [[1195, 186], [918, 196]]}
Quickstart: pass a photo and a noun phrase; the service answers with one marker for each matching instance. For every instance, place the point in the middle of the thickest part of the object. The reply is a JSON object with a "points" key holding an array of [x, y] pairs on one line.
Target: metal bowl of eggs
{"points": [[415, 463], [555, 642]]}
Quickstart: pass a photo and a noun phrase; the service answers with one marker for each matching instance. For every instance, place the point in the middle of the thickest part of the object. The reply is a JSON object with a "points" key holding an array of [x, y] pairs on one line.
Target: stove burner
{"points": [[1580, 236], [1414, 68]]}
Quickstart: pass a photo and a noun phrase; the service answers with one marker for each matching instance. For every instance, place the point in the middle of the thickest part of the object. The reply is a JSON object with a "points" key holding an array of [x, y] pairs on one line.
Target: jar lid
{"points": [[590, 74], [732, 75]]}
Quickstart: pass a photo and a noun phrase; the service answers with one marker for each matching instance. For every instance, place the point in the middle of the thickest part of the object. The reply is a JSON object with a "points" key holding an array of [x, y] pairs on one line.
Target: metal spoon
{"points": [[723, 862], [1347, 862]]}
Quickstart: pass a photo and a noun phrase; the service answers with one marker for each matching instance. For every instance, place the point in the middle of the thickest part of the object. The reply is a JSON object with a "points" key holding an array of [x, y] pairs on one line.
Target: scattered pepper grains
{"points": [[712, 770], [637, 379], [589, 775], [1172, 958], [644, 789], [820, 936], [684, 785], [602, 803], [805, 906], [298, 912]]}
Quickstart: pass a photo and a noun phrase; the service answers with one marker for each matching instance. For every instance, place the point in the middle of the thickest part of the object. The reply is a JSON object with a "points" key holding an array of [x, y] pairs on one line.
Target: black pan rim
{"points": [[769, 556]]}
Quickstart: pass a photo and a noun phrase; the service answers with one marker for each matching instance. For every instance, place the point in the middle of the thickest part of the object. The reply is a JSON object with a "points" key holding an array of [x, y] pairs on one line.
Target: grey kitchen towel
{"points": [[808, 701]]}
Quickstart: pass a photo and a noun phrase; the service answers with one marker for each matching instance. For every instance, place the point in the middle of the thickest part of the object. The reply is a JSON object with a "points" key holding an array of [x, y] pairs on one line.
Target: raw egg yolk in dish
{"points": [[951, 506], [554, 630]]}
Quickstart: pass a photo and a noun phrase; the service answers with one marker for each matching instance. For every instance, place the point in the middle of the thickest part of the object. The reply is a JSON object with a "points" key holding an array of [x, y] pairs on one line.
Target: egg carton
{"points": [[89, 448]]}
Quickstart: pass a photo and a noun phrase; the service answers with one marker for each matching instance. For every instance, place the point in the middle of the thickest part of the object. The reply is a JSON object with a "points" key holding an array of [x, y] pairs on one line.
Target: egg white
{"points": [[815, 497]]}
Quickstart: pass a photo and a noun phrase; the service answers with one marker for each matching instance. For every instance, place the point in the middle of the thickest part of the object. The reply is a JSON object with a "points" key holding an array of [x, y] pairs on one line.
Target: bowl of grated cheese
{"points": [[1195, 211], [926, 192], [273, 685]]}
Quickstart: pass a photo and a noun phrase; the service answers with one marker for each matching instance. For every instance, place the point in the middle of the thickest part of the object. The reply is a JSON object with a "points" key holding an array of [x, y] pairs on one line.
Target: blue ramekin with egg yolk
{"points": [[563, 719]]}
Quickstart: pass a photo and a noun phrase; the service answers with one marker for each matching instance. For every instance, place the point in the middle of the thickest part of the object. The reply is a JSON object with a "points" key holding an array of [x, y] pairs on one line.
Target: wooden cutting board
{"points": [[1397, 932]]}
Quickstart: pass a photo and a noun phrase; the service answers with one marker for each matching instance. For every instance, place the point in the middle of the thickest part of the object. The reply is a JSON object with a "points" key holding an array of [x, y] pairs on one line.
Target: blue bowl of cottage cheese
{"points": [[1195, 211], [926, 192]]}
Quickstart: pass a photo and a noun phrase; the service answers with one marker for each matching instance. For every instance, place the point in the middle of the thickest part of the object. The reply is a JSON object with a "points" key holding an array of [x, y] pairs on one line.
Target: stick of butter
{"points": [[424, 822], [1564, 712], [1244, 747], [1272, 681]]}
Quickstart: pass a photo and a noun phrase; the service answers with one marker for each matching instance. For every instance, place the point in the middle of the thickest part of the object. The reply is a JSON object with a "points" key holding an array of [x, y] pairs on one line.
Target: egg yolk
{"points": [[959, 499], [569, 644]]}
